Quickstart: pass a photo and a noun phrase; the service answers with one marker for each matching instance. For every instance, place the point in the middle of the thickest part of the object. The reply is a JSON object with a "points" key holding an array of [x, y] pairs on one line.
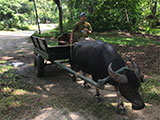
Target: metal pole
{"points": [[100, 84], [103, 81], [37, 21], [79, 75]]}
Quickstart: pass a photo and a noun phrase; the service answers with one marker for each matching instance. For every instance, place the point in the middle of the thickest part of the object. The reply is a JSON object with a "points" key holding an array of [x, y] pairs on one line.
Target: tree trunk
{"points": [[127, 18], [60, 19], [154, 9], [37, 18], [71, 9], [58, 2]]}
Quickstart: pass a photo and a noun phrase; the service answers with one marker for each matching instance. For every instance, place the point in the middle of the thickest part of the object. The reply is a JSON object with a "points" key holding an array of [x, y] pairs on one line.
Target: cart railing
{"points": [[40, 43]]}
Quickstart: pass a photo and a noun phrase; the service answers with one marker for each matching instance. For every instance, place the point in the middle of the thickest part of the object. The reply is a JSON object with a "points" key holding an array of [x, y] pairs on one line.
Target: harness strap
{"points": [[76, 75]]}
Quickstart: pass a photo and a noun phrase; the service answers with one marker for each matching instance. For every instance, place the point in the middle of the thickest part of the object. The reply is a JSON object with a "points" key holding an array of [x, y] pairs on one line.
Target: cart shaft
{"points": [[79, 75]]}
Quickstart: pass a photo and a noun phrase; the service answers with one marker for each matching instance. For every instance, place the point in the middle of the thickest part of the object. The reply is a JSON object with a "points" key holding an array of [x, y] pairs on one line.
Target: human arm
{"points": [[88, 29]]}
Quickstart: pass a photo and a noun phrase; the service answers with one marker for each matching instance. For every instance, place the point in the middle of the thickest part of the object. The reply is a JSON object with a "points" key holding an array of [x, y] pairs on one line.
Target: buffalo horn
{"points": [[115, 76], [136, 71]]}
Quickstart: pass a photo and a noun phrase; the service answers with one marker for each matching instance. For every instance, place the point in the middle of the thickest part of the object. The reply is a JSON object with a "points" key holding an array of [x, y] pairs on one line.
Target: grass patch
{"points": [[52, 43], [133, 41], [16, 96], [2, 62], [85, 106], [48, 34], [112, 39], [152, 90], [155, 31], [5, 68]]}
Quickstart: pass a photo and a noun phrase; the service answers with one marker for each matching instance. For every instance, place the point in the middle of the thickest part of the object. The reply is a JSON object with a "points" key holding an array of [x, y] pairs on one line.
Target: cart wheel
{"points": [[39, 65]]}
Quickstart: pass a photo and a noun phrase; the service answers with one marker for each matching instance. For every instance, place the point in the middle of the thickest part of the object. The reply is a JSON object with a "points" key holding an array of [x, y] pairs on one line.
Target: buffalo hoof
{"points": [[120, 109], [97, 98], [87, 86], [74, 79]]}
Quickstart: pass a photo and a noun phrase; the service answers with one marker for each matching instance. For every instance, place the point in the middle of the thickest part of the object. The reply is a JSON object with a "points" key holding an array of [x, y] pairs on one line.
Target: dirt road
{"points": [[60, 98], [15, 47]]}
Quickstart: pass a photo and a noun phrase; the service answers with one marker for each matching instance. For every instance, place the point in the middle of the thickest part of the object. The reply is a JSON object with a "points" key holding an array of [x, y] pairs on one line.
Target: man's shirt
{"points": [[79, 29]]}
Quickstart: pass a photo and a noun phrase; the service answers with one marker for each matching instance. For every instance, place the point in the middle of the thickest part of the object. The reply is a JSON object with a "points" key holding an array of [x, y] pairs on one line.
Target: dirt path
{"points": [[56, 87], [15, 47]]}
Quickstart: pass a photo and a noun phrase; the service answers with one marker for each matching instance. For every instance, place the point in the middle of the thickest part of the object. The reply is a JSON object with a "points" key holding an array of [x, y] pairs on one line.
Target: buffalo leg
{"points": [[74, 78], [97, 92], [120, 106], [97, 96], [86, 85], [73, 67]]}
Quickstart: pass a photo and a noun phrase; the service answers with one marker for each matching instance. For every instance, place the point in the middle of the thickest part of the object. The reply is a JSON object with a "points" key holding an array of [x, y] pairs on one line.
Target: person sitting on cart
{"points": [[81, 29]]}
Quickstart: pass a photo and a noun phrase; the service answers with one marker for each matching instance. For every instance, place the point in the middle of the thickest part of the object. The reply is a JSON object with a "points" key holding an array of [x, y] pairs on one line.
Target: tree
{"points": [[58, 2]]}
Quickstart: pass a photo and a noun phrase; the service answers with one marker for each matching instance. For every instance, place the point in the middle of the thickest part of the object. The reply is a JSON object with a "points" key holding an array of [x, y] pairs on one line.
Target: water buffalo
{"points": [[100, 60]]}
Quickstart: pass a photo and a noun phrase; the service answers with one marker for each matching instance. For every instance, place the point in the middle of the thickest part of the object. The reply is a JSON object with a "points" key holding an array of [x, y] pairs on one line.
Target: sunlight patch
{"points": [[22, 92], [5, 68], [6, 58]]}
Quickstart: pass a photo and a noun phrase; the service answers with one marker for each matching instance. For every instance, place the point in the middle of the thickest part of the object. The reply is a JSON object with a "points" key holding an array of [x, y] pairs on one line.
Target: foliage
{"points": [[20, 13], [14, 13], [104, 15], [47, 11], [107, 15], [155, 31]]}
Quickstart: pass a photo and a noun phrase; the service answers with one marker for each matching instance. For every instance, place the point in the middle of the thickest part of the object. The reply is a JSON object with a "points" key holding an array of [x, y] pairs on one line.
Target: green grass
{"points": [[155, 31], [152, 90], [112, 39], [48, 34], [52, 43], [133, 41], [16, 96], [103, 110], [4, 67], [2, 62]]}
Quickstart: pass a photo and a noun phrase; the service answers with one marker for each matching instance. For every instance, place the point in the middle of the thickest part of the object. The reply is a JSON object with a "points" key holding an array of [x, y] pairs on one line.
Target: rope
{"points": [[76, 75]]}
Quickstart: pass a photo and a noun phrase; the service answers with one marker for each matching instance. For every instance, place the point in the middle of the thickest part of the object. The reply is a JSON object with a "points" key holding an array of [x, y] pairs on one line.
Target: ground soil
{"points": [[16, 47]]}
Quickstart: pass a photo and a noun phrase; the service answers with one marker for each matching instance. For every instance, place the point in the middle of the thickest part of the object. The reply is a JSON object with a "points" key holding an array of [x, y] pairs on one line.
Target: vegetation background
{"points": [[104, 15]]}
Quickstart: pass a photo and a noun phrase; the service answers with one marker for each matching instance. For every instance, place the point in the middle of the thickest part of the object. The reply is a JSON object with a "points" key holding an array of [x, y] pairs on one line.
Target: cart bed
{"points": [[50, 53]]}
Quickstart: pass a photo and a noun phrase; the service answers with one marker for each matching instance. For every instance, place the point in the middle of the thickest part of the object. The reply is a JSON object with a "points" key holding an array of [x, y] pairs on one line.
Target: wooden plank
{"points": [[41, 53]]}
